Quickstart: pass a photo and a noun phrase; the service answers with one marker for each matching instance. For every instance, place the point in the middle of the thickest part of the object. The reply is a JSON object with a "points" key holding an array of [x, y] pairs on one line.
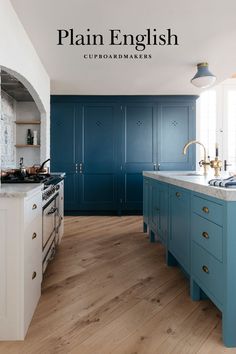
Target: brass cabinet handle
{"points": [[205, 210], [205, 234], [205, 269], [178, 194], [34, 235], [34, 206], [34, 275]]}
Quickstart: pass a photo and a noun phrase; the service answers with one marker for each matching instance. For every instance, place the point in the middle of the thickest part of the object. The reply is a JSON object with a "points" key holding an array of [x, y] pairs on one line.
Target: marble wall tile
{"points": [[7, 129]]}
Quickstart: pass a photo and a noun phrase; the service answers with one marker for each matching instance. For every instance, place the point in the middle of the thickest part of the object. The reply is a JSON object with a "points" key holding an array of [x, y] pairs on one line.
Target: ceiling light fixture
{"points": [[203, 78]]}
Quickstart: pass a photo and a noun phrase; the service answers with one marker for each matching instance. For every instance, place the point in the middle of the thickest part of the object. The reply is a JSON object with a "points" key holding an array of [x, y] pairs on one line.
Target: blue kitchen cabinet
{"points": [[84, 144], [179, 224], [154, 208], [158, 211], [145, 203], [99, 168], [103, 143], [213, 260], [200, 237], [176, 126], [65, 127], [139, 150], [162, 227]]}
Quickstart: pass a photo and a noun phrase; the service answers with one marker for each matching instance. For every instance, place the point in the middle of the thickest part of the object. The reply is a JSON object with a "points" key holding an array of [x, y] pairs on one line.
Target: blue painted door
{"points": [[105, 143], [154, 206], [99, 166], [139, 151], [176, 126], [179, 241], [162, 227], [65, 129], [146, 201]]}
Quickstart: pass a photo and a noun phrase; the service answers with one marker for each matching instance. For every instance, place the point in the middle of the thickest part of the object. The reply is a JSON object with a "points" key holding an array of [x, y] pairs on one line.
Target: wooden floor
{"points": [[108, 290]]}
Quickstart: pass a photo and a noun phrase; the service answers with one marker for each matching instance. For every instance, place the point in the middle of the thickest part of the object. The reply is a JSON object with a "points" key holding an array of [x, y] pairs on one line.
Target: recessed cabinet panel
{"points": [[179, 242], [175, 128], [98, 171], [139, 134], [63, 134], [133, 187], [99, 137], [99, 188], [66, 148], [139, 150]]}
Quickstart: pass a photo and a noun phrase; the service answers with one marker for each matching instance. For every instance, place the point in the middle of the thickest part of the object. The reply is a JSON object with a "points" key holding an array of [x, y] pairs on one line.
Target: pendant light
{"points": [[203, 78]]}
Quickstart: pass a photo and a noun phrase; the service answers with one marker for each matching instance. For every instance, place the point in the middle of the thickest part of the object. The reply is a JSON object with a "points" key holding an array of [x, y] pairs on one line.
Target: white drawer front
{"points": [[32, 287], [33, 239], [33, 208]]}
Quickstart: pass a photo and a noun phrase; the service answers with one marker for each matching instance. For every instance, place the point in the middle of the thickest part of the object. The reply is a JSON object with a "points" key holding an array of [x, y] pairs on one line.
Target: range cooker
{"points": [[51, 218]]}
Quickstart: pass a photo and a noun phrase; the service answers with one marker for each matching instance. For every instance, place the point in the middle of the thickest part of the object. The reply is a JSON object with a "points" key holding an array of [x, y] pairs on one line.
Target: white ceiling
{"points": [[206, 29]]}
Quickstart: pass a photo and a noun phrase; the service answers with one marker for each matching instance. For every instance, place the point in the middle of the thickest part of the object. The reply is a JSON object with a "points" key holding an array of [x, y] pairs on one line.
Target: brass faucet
{"points": [[217, 165], [205, 162]]}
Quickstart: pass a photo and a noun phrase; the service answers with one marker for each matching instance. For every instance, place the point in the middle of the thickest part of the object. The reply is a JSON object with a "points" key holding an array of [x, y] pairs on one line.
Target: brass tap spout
{"points": [[205, 163]]}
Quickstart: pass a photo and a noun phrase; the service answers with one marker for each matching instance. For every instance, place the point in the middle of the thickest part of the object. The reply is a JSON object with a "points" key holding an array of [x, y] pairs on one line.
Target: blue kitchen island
{"points": [[197, 225]]}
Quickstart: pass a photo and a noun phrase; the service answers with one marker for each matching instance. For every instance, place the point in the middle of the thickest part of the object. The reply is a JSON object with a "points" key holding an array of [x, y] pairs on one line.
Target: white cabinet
{"points": [[20, 262]]}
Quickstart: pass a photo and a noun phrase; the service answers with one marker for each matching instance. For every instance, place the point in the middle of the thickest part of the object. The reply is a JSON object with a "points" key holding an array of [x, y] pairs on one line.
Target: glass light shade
{"points": [[203, 78]]}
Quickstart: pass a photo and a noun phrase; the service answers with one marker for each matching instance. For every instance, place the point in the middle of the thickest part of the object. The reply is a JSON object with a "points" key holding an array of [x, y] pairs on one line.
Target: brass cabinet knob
{"points": [[34, 275], [178, 194], [205, 210], [205, 234], [34, 206], [34, 235], [205, 269]]}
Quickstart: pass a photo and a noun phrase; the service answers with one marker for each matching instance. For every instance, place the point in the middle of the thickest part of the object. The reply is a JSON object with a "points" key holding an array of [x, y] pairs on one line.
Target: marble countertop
{"points": [[196, 183], [61, 174], [23, 190], [19, 190]]}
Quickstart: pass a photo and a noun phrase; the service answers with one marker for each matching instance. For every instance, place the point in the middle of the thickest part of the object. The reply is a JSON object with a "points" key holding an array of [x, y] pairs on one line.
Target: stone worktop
{"points": [[192, 180], [19, 190]]}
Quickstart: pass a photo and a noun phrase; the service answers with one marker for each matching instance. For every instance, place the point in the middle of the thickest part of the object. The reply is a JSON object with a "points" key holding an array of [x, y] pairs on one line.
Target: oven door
{"points": [[49, 219]]}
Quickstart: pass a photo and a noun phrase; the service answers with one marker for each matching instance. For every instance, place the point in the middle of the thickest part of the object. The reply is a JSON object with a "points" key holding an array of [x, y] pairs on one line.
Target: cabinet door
{"points": [[163, 212], [65, 126], [139, 151], [145, 200], [176, 126], [179, 241], [100, 157], [154, 206]]}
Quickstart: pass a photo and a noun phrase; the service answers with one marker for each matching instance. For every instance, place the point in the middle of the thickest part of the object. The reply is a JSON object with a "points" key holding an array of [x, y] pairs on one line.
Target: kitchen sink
{"points": [[189, 174]]}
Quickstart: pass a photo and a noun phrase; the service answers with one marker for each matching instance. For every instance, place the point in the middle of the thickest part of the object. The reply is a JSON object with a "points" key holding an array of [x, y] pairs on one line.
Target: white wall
{"points": [[18, 55]]}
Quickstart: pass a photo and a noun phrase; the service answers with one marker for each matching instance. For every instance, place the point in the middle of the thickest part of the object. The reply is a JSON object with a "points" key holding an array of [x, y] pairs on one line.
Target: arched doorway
{"points": [[22, 114]]}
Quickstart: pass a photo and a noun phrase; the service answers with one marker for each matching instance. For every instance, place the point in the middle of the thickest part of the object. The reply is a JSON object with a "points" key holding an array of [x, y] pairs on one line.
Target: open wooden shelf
{"points": [[26, 146], [29, 122]]}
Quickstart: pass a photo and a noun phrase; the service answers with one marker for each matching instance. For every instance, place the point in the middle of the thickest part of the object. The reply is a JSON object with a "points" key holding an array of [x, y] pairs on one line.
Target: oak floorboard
{"points": [[108, 290]]}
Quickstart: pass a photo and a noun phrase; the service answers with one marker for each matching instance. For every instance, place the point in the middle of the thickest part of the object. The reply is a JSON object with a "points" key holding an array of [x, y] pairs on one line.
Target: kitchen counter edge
{"points": [[197, 184]]}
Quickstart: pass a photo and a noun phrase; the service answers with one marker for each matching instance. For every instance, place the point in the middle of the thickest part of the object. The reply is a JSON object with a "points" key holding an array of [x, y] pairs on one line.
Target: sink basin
{"points": [[189, 174]]}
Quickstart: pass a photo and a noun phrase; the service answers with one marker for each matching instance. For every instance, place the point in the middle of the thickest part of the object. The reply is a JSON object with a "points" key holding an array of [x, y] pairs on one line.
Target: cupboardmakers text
{"points": [[150, 37]]}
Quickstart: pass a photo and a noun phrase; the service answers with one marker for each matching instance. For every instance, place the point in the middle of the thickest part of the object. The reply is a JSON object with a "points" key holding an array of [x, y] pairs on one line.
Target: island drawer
{"points": [[208, 235], [208, 209], [33, 208], [208, 271]]}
